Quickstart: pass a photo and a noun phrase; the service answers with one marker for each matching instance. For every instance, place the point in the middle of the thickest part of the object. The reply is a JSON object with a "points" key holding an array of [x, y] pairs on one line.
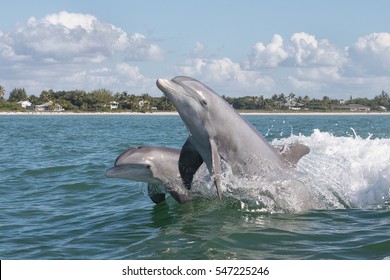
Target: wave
{"points": [[338, 173], [345, 172]]}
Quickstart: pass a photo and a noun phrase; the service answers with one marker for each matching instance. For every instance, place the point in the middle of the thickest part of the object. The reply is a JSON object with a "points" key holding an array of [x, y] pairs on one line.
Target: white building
{"points": [[114, 105], [24, 104], [355, 107], [49, 106], [44, 106]]}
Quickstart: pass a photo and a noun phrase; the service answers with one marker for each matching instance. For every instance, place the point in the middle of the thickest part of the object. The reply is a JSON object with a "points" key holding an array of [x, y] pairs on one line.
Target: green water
{"points": [[55, 202]]}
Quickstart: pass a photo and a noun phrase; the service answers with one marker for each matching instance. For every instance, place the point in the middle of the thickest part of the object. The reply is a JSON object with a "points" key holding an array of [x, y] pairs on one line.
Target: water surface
{"points": [[55, 202]]}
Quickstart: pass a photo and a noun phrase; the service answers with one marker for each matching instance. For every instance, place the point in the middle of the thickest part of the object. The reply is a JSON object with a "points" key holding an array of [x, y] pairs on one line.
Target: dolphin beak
{"points": [[166, 87], [110, 173], [170, 88], [163, 84]]}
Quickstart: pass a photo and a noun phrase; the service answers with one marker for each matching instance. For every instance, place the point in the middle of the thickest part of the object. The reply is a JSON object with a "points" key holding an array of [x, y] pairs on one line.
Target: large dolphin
{"points": [[218, 133], [157, 166]]}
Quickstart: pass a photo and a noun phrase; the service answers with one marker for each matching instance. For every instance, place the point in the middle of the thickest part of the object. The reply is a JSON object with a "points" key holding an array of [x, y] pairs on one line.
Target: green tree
{"points": [[164, 104], [77, 98], [99, 100], [146, 102], [33, 99], [46, 96], [2, 92], [325, 102], [291, 96], [282, 98], [382, 100], [17, 94]]}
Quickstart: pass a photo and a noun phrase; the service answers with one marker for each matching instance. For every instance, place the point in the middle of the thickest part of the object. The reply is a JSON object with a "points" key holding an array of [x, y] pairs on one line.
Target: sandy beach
{"points": [[89, 113]]}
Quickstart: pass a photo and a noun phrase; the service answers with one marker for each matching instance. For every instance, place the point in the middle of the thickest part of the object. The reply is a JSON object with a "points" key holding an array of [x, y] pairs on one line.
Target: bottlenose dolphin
{"points": [[157, 166], [218, 133]]}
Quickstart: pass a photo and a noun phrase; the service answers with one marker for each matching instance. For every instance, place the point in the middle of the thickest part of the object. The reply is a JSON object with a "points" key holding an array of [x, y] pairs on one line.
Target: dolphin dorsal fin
{"points": [[189, 162], [294, 152]]}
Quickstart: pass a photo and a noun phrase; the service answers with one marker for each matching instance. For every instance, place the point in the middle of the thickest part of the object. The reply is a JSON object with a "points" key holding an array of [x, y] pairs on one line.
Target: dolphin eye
{"points": [[148, 166], [204, 102]]}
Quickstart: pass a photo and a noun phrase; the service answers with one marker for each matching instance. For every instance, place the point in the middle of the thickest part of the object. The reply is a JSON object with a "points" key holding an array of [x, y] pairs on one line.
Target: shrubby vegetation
{"points": [[100, 100], [94, 101]]}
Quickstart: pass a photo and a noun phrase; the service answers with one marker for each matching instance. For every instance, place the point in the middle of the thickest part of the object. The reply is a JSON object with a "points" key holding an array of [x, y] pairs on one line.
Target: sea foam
{"points": [[353, 170]]}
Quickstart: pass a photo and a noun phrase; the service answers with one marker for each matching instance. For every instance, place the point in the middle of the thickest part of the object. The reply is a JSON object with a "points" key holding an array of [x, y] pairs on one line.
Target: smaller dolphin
{"points": [[157, 166]]}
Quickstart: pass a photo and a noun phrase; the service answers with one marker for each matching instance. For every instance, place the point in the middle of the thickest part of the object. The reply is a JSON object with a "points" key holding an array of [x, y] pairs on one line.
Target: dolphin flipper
{"points": [[178, 192], [294, 152], [155, 195], [216, 167], [175, 189], [189, 162]]}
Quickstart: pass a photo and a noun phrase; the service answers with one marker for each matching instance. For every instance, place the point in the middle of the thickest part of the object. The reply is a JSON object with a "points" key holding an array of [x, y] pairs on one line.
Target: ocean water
{"points": [[56, 203]]}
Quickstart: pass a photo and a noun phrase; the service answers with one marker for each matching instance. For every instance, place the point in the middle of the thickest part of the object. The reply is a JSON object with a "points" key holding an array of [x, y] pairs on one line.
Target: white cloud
{"points": [[224, 69], [303, 64], [192, 67], [199, 48], [303, 50], [69, 20], [140, 49], [306, 50], [131, 76], [71, 49], [99, 78], [304, 85], [225, 74], [74, 38], [370, 55], [375, 43], [267, 56]]}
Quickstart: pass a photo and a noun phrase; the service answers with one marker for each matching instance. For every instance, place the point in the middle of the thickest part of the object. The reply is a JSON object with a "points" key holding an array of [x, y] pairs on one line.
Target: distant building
{"points": [[44, 106], [355, 107], [114, 105], [143, 103], [25, 104], [58, 108], [293, 105], [48, 106]]}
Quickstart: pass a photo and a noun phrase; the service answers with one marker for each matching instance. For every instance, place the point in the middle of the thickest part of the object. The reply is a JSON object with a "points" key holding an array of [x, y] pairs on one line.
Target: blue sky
{"points": [[248, 47]]}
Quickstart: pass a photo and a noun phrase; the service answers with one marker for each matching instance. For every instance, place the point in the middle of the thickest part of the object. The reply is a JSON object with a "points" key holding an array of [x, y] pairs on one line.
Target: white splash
{"points": [[338, 173], [352, 171]]}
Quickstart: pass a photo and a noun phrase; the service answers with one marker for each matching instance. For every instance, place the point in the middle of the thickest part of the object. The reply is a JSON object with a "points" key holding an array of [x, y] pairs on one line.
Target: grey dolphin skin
{"points": [[157, 166], [218, 133]]}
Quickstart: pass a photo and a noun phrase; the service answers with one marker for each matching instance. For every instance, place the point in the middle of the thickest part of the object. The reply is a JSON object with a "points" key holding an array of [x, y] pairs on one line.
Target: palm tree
{"points": [[291, 96], [2, 92]]}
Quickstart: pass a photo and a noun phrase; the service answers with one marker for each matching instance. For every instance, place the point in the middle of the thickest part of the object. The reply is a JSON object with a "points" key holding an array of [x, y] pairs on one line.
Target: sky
{"points": [[328, 48]]}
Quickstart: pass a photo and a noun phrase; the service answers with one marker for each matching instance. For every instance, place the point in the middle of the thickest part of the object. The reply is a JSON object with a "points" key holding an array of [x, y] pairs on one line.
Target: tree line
{"points": [[101, 99]]}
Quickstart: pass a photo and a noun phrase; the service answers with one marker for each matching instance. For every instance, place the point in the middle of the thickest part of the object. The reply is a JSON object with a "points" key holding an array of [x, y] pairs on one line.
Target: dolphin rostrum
{"points": [[218, 133], [157, 166]]}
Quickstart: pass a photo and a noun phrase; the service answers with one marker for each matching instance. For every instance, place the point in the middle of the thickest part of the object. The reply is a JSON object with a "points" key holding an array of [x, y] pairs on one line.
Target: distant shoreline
{"points": [[45, 113], [34, 113]]}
